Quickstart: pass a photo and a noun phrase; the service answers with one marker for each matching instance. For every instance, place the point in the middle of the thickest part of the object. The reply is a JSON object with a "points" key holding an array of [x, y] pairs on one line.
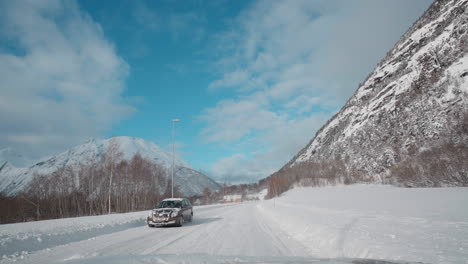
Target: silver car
{"points": [[172, 211]]}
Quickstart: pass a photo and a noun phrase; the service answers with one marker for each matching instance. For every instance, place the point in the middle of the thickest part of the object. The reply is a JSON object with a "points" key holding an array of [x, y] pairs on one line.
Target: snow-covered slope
{"points": [[13, 179], [412, 110], [192, 182]]}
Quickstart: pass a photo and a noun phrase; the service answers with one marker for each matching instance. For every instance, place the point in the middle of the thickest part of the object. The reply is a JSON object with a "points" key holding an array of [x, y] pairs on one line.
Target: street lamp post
{"points": [[173, 154]]}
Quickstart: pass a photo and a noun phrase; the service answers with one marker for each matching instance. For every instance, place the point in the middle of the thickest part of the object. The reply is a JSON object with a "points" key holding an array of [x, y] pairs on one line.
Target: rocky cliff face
{"points": [[408, 122]]}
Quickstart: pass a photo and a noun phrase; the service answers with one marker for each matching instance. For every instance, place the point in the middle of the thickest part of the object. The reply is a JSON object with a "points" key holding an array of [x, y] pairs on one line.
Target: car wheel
{"points": [[150, 225], [181, 220]]}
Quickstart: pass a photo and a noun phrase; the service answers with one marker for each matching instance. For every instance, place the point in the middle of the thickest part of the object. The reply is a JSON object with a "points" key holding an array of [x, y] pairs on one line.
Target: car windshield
{"points": [[170, 204]]}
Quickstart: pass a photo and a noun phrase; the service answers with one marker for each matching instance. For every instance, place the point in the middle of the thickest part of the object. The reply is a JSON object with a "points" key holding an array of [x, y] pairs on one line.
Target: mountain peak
{"points": [[93, 151], [129, 146]]}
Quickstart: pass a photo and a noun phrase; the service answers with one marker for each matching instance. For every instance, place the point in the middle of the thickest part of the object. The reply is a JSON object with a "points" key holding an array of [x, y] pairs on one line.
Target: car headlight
{"points": [[174, 214]]}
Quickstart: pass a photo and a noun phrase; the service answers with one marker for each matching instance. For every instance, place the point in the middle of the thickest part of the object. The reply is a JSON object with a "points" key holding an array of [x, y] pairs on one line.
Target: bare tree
{"points": [[207, 195], [89, 189], [112, 155]]}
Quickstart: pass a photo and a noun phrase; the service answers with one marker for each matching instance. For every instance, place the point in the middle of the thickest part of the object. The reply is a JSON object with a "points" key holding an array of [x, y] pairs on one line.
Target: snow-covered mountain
{"points": [[14, 178], [407, 123], [192, 182]]}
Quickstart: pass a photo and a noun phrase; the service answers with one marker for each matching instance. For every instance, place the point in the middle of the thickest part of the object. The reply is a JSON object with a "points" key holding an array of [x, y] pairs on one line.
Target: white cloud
{"points": [[293, 64], [230, 79], [302, 104], [231, 120], [61, 78]]}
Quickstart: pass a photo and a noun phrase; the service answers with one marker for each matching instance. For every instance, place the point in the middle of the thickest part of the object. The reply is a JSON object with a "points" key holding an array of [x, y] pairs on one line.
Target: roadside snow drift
{"points": [[17, 239]]}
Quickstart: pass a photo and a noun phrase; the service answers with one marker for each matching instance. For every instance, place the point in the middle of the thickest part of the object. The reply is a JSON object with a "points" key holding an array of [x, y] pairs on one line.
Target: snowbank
{"points": [[38, 235], [377, 222]]}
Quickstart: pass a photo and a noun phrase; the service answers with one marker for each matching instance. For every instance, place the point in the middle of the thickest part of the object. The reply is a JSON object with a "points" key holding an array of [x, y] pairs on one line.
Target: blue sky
{"points": [[252, 81]]}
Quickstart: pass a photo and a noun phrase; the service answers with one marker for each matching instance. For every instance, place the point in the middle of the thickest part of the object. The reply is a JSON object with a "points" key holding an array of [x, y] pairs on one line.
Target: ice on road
{"points": [[332, 225]]}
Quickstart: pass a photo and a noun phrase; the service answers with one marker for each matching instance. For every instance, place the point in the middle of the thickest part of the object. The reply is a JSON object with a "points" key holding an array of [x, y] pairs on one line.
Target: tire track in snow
{"points": [[278, 237], [158, 247], [203, 227], [343, 234]]}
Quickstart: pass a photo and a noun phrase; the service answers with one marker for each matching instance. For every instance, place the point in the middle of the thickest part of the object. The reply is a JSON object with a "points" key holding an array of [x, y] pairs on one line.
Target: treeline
{"points": [[311, 174], [105, 186], [243, 189], [442, 165], [210, 197]]}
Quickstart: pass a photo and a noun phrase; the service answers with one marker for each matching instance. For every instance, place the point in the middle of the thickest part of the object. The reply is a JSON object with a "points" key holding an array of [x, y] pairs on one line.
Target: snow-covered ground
{"points": [[373, 221], [321, 225]]}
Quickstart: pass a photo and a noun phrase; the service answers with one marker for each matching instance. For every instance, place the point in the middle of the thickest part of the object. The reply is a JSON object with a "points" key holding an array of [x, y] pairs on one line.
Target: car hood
{"points": [[165, 210]]}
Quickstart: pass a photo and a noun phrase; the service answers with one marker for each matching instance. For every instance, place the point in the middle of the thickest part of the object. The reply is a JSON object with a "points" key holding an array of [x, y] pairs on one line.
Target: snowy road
{"points": [[303, 226], [231, 230]]}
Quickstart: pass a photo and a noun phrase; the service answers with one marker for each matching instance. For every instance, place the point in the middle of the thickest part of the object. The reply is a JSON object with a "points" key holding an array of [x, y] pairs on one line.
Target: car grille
{"points": [[161, 217], [163, 211]]}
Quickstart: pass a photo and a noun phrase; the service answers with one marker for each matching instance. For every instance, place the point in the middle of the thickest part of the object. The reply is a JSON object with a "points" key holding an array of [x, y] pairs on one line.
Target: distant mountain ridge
{"points": [[14, 179], [407, 123]]}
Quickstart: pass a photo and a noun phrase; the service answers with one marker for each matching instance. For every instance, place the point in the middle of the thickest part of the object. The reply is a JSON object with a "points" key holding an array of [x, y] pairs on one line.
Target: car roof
{"points": [[174, 199]]}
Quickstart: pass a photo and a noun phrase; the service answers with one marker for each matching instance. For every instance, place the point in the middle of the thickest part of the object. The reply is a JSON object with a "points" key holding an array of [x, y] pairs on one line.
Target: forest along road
{"points": [[227, 230]]}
